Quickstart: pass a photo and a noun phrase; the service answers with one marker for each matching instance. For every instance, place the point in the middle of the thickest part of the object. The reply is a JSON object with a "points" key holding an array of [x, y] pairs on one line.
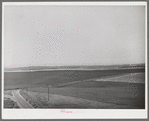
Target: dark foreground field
{"points": [[93, 94], [54, 78], [125, 94]]}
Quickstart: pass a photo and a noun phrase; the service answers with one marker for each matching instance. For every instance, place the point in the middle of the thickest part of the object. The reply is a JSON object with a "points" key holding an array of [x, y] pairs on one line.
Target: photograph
{"points": [[69, 56]]}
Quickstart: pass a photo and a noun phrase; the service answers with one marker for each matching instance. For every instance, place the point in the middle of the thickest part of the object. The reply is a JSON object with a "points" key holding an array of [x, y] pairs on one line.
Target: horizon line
{"points": [[71, 65]]}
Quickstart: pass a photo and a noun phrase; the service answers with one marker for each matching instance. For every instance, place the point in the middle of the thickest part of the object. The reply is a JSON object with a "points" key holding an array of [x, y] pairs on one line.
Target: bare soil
{"points": [[8, 103]]}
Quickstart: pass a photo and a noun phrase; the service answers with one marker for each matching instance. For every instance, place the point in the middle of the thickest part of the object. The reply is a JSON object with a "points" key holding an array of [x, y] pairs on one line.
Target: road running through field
{"points": [[22, 103], [129, 77], [10, 97]]}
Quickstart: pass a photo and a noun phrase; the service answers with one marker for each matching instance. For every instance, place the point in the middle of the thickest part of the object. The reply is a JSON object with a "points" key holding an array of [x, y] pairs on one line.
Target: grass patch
{"points": [[8, 103], [120, 93]]}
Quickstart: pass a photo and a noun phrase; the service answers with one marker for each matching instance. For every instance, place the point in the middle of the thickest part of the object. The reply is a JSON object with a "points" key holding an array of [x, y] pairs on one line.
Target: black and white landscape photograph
{"points": [[74, 57]]}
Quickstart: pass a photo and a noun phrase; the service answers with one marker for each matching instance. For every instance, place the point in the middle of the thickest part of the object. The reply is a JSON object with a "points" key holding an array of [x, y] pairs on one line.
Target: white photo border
{"points": [[77, 113]]}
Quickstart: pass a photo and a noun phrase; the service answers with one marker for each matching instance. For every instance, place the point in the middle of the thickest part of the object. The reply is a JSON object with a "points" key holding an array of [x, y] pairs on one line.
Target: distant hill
{"points": [[96, 67]]}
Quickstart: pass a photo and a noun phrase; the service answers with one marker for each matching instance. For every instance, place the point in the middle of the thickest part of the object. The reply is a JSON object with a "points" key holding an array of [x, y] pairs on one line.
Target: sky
{"points": [[73, 35]]}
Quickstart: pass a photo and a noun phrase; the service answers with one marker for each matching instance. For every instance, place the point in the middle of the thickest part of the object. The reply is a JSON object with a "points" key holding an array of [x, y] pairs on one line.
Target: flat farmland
{"points": [[107, 90], [103, 89], [54, 78], [119, 93]]}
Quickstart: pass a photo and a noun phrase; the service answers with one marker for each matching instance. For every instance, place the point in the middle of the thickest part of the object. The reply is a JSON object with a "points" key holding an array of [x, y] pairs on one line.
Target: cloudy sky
{"points": [[73, 35]]}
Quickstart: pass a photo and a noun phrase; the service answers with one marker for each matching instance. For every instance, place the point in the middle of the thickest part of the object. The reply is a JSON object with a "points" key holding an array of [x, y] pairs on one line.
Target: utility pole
{"points": [[48, 91]]}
